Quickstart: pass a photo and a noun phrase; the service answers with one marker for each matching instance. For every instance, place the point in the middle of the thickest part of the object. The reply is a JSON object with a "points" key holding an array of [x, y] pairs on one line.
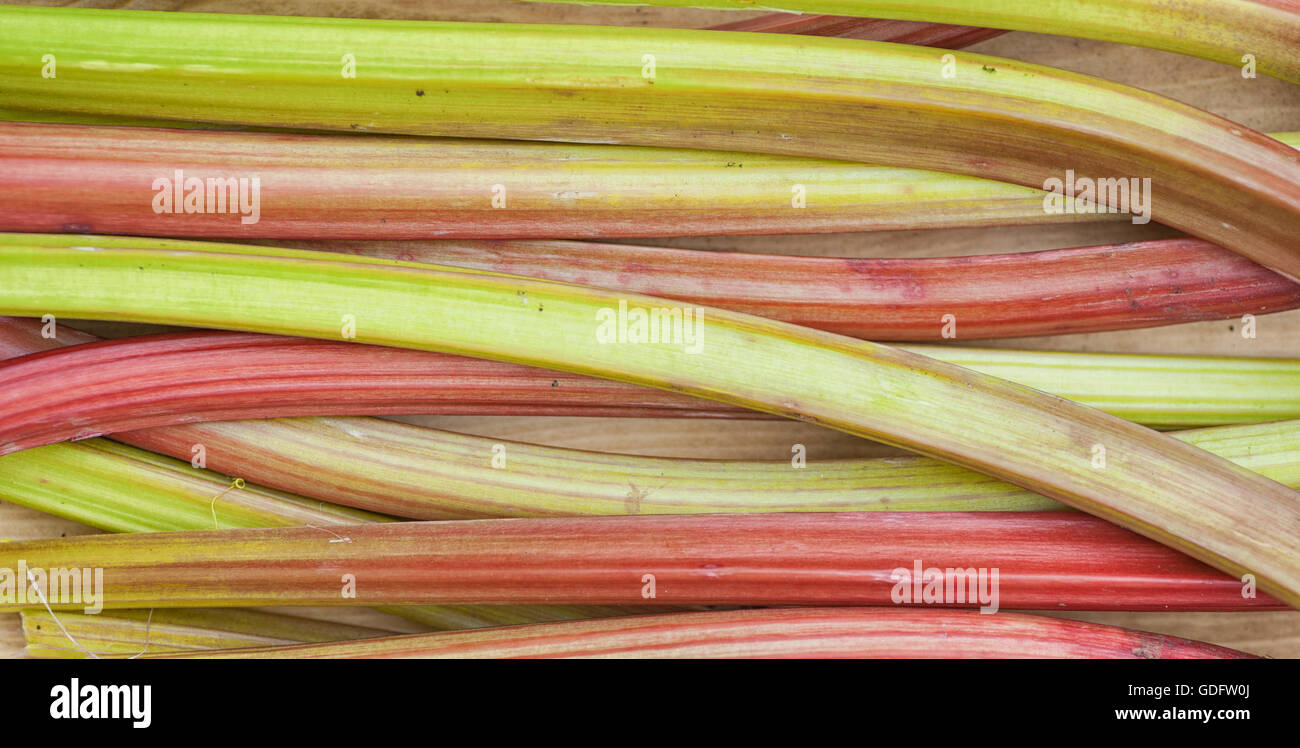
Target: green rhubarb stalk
{"points": [[133, 633], [1196, 502], [119, 488], [1220, 30], [871, 102], [423, 473]]}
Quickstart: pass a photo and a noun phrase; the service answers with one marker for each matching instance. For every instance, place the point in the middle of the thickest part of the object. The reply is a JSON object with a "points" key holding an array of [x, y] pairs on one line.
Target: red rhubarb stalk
{"points": [[156, 380], [1041, 561], [137, 180], [869, 29], [114, 386], [174, 182], [771, 633], [1087, 289]]}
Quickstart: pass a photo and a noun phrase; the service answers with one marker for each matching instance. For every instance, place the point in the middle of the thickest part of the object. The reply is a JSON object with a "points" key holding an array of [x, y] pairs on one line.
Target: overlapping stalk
{"points": [[104, 180], [119, 488], [1005, 560], [429, 474], [805, 633], [862, 101], [1173, 492], [943, 35], [1221, 30], [162, 380], [132, 384], [135, 633], [1088, 289]]}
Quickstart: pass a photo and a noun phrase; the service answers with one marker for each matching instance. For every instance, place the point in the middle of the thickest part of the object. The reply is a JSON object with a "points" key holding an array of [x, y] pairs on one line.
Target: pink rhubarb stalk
{"points": [[1087, 289], [1007, 560], [773, 633], [869, 29]]}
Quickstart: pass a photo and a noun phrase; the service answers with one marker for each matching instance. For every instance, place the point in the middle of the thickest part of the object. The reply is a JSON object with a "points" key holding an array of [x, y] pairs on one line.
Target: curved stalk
{"points": [[872, 102], [1220, 30], [1163, 391], [1173, 492], [129, 384], [1054, 292], [122, 489], [1041, 561], [119, 488], [105, 180], [424, 473], [135, 633], [803, 633], [942, 35], [429, 474]]}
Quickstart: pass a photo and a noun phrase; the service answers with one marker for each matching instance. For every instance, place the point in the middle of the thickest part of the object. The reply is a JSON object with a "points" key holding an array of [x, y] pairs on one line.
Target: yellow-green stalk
{"points": [[423, 473], [134, 633], [1227, 31]]}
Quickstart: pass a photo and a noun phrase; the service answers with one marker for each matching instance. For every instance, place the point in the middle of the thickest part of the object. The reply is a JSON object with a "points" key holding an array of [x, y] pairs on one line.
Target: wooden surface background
{"points": [[1262, 103]]}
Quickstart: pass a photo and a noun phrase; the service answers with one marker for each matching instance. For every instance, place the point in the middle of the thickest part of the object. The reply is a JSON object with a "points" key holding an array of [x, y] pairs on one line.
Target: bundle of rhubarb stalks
{"points": [[543, 330]]}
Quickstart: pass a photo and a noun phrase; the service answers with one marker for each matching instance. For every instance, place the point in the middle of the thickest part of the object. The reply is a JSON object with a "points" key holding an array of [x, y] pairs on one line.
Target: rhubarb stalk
{"points": [[942, 35], [115, 180], [137, 180], [134, 633], [803, 633], [424, 473], [160, 380], [1220, 30], [873, 102], [121, 489], [1055, 292], [1004, 560], [1201, 504]]}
